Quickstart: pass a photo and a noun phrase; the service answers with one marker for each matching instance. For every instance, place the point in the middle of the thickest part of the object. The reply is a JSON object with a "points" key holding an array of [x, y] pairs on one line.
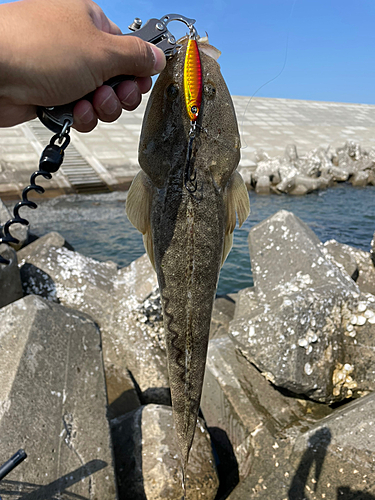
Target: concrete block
{"points": [[53, 403]]}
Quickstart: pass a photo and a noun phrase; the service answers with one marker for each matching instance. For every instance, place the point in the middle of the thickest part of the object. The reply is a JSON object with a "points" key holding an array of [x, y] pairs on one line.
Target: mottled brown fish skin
{"points": [[187, 230], [188, 254]]}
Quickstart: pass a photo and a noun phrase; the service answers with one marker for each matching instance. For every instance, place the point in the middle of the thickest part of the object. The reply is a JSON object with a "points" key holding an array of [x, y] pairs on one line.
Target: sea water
{"points": [[96, 225]]}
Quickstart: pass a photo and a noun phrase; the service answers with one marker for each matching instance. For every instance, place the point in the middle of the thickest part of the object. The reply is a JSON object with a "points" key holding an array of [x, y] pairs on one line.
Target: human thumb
{"points": [[130, 55]]}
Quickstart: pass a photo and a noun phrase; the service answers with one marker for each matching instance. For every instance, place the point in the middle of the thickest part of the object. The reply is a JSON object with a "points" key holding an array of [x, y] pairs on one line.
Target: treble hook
{"points": [[193, 189], [190, 177]]}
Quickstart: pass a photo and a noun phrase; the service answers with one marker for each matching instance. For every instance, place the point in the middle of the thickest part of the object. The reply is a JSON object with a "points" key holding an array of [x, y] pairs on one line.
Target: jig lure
{"points": [[193, 79], [193, 101]]}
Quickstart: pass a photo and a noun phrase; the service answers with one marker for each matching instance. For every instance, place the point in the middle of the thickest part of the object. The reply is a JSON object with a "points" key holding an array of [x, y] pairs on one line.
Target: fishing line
{"points": [[272, 79]]}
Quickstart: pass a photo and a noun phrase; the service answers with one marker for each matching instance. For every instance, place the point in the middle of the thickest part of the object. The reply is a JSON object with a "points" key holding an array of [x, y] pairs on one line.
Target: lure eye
{"points": [[209, 91], [172, 91], [194, 110]]}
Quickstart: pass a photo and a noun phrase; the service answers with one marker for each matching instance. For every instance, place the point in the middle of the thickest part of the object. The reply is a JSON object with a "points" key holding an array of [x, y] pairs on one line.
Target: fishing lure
{"points": [[192, 78]]}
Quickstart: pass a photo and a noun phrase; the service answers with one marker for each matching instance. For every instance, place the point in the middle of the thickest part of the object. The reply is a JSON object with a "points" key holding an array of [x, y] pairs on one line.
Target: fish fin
{"points": [[228, 242], [138, 210], [236, 201], [204, 46], [149, 246], [210, 50], [138, 202]]}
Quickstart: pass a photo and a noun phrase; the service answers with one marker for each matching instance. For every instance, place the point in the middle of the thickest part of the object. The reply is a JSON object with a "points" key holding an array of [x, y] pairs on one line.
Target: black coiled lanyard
{"points": [[50, 161]]}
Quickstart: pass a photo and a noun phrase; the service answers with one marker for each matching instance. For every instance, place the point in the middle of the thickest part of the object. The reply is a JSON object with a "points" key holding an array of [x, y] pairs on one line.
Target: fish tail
{"points": [[184, 478]]}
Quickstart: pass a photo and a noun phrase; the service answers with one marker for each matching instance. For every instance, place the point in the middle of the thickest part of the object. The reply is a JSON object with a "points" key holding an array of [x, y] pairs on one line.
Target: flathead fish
{"points": [[184, 201]]}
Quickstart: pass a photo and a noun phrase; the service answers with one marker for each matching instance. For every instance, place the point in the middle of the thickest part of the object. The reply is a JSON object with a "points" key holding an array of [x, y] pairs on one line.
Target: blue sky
{"points": [[331, 43]]}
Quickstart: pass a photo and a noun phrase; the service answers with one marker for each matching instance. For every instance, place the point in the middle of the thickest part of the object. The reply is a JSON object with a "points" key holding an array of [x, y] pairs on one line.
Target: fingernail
{"points": [[87, 117], [159, 59], [128, 101], [109, 106]]}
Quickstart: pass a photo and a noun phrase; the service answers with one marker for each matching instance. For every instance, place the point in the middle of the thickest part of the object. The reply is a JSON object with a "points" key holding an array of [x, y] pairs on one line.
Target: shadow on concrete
{"points": [[125, 403], [314, 455], [346, 493], [35, 281], [52, 491], [226, 462], [152, 395], [127, 450]]}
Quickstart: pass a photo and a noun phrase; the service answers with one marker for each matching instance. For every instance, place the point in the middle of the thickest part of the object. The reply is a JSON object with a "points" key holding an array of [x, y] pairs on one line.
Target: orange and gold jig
{"points": [[193, 79]]}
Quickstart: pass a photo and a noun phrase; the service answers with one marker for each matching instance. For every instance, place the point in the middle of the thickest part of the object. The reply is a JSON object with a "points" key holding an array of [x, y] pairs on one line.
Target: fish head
{"points": [[165, 132]]}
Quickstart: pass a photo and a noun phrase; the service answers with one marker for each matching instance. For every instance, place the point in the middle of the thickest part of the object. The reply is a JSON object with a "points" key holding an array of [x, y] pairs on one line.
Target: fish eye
{"points": [[172, 91], [209, 90]]}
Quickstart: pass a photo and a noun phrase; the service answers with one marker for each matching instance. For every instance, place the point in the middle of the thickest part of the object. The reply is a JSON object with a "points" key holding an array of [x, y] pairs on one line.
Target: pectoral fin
{"points": [[237, 201], [138, 210]]}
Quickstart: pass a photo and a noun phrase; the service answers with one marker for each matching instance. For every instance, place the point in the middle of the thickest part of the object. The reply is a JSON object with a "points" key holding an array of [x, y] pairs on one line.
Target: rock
{"points": [[371, 178], [35, 280], [247, 410], [222, 314], [360, 178], [310, 184], [340, 174], [290, 153], [296, 335], [146, 457], [78, 281], [267, 168], [283, 251], [341, 448], [246, 174], [246, 301], [313, 163], [121, 392], [53, 403], [331, 460], [263, 185], [136, 337], [261, 155], [18, 231], [115, 300], [287, 184], [365, 163], [366, 271], [343, 258], [355, 373], [353, 150], [52, 239], [136, 281], [269, 478], [263, 169], [326, 180], [299, 190], [318, 169], [10, 280], [365, 276]]}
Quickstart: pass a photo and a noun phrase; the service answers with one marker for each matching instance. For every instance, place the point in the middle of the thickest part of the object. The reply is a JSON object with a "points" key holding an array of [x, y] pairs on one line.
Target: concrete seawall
{"points": [[106, 158]]}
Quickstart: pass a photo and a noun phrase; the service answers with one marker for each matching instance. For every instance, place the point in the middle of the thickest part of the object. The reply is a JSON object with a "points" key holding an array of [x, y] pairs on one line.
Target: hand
{"points": [[54, 52]]}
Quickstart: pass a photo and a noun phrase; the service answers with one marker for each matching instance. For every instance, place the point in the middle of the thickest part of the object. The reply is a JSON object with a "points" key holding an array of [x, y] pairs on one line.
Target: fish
{"points": [[187, 222]]}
